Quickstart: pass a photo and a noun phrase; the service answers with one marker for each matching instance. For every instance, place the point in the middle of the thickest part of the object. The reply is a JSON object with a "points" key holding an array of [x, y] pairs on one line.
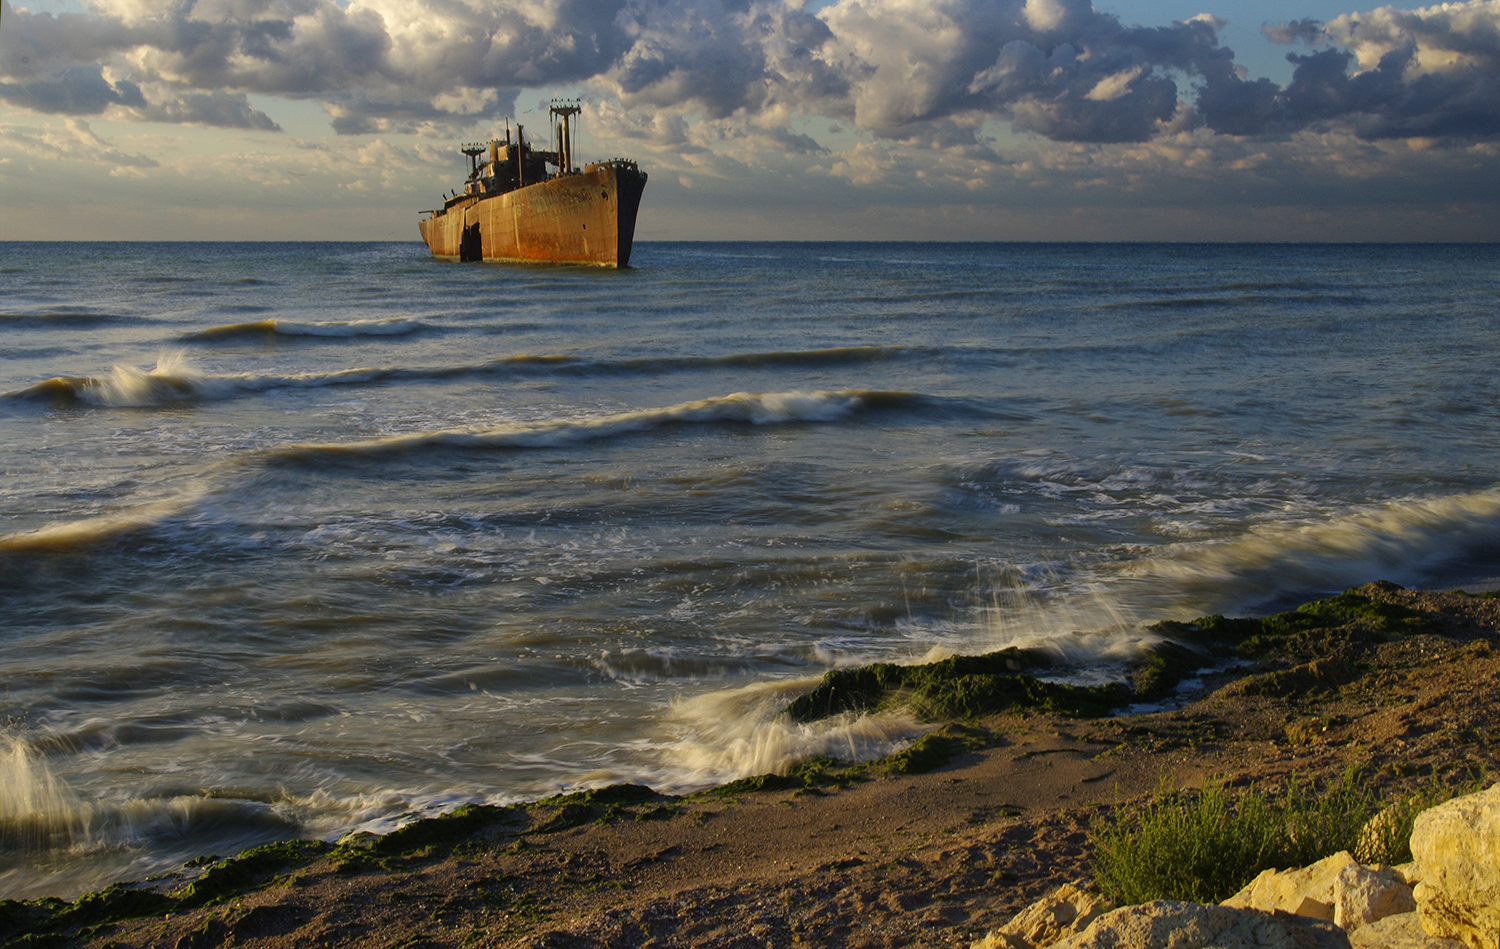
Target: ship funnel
{"points": [[494, 150]]}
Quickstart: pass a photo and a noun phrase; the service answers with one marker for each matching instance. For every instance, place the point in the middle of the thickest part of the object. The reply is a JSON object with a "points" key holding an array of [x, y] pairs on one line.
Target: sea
{"points": [[301, 539]]}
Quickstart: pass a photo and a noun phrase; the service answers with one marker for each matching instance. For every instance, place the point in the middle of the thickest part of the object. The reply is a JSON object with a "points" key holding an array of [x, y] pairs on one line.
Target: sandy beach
{"points": [[873, 858]]}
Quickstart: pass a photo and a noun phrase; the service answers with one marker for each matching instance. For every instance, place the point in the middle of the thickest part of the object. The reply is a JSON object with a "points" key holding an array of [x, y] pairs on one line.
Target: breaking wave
{"points": [[326, 328], [1407, 541], [735, 733], [45, 825], [175, 380], [85, 532], [738, 408], [741, 407], [36, 810]]}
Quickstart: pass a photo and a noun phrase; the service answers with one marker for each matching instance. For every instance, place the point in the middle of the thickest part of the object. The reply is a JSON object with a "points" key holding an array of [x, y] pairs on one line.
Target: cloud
{"points": [[76, 90], [76, 141], [719, 59], [930, 73], [1427, 73], [216, 109], [1308, 31]]}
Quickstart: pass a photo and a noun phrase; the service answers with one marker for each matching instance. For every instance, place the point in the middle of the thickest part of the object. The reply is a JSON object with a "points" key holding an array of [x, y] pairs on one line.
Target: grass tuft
{"points": [[1201, 848], [1204, 846]]}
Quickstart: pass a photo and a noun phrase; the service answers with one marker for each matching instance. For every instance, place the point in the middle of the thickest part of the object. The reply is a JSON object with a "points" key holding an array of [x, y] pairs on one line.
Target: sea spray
{"points": [[736, 733], [37, 811], [1038, 606], [171, 379]]}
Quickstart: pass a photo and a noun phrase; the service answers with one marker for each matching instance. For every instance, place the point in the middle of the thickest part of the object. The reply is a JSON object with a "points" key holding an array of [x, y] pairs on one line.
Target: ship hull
{"points": [[586, 218]]}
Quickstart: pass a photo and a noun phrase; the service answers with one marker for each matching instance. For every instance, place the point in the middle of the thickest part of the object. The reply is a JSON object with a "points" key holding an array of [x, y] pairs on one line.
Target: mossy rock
{"points": [[622, 794], [52, 921], [1353, 619], [935, 749], [599, 805], [444, 830], [246, 871], [1217, 633], [18, 917], [966, 687], [810, 774], [1163, 669], [959, 687]]}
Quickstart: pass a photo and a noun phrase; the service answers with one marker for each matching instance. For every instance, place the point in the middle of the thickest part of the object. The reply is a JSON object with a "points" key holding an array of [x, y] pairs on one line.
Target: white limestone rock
{"points": [[1457, 846], [1064, 912], [1363, 895], [1166, 924], [1305, 892], [1399, 931]]}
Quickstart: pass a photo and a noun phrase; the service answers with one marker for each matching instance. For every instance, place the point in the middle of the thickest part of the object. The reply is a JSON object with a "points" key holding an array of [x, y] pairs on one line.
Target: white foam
{"points": [[736, 733], [754, 408], [395, 326], [1403, 541], [172, 379], [37, 812]]}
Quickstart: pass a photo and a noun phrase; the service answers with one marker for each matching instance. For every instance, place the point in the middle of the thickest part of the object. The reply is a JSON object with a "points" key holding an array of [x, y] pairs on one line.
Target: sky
{"points": [[1029, 120]]}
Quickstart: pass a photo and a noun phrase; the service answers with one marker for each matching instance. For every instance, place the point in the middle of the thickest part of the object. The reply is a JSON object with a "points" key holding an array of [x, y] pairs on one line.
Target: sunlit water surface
{"points": [[299, 538]]}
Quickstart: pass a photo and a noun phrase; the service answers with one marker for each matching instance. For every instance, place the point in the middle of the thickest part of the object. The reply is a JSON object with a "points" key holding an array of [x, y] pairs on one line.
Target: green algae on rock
{"points": [[958, 687], [53, 921], [967, 687]]}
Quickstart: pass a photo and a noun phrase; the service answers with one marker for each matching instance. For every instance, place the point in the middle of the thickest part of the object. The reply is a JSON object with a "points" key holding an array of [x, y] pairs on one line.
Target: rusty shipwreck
{"points": [[512, 208]]}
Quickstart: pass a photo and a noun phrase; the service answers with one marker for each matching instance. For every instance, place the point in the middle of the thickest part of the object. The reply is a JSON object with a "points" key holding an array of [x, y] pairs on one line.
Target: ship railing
{"points": [[621, 164]]}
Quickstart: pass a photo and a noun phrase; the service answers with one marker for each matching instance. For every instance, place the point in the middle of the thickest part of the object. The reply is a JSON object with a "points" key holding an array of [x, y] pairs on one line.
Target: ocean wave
{"points": [[774, 408], [1407, 541], [770, 408], [86, 532], [652, 365], [52, 839], [55, 841], [737, 733], [174, 380], [1240, 298], [325, 328], [36, 810], [40, 813]]}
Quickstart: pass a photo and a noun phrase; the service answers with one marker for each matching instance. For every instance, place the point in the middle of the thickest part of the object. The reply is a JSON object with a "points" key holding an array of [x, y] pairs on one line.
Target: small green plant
{"points": [[1204, 846], [1186, 847]]}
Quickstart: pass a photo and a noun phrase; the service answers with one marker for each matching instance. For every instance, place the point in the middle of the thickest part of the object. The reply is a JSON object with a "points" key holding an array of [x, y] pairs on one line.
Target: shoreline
{"points": [[884, 853]]}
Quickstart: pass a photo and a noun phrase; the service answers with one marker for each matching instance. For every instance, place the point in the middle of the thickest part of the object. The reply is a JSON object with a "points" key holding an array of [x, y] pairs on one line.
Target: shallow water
{"points": [[296, 538]]}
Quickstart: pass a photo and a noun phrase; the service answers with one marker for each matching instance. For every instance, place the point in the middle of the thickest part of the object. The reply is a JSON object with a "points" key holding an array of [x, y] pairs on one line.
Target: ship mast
{"points": [[474, 151], [565, 109]]}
